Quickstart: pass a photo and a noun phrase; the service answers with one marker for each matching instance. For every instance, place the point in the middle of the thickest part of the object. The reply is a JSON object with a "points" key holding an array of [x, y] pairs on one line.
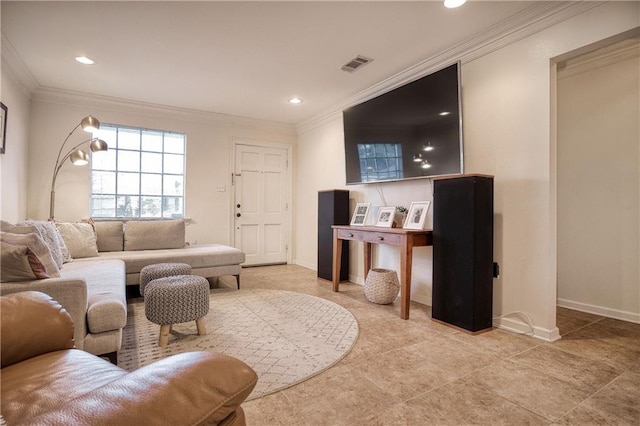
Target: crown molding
{"points": [[13, 65], [621, 52], [319, 121], [67, 97], [521, 25]]}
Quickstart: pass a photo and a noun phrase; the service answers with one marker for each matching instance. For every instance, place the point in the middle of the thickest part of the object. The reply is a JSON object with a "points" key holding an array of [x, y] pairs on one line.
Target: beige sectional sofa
{"points": [[142, 243], [107, 256]]}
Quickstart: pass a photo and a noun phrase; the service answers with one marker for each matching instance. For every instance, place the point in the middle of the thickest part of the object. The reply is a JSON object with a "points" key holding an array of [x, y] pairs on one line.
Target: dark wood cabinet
{"points": [[463, 251], [333, 209]]}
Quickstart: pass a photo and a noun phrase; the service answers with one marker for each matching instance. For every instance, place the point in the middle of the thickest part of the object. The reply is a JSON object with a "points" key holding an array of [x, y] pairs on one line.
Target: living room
{"points": [[509, 132]]}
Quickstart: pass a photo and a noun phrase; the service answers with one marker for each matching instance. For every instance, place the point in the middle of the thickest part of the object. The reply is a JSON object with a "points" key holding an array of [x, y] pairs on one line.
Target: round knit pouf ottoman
{"points": [[173, 300], [381, 286], [161, 270]]}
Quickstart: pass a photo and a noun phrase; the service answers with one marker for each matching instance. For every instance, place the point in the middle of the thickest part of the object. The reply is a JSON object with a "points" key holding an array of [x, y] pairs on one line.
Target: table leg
{"points": [[367, 258], [337, 260], [406, 261]]}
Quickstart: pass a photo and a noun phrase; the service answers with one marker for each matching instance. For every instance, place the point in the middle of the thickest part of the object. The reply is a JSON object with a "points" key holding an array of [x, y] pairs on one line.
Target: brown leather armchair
{"points": [[44, 380]]}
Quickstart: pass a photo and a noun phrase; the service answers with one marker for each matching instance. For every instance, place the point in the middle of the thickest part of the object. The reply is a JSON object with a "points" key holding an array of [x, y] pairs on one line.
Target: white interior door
{"points": [[261, 217]]}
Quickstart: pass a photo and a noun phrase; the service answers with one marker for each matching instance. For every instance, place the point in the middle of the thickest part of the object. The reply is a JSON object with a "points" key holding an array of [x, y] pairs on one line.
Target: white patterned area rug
{"points": [[286, 337]]}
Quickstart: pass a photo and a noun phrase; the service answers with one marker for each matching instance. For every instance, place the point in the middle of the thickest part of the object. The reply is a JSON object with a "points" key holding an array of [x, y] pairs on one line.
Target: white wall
{"points": [[208, 157], [599, 183], [13, 164], [507, 117]]}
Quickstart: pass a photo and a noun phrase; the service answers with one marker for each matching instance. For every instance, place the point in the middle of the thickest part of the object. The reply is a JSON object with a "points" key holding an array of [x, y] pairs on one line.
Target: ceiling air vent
{"points": [[355, 63]]}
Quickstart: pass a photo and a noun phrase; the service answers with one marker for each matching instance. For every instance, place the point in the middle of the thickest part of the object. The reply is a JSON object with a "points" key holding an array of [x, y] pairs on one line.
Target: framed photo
{"points": [[417, 215], [360, 214], [386, 216], [3, 127]]}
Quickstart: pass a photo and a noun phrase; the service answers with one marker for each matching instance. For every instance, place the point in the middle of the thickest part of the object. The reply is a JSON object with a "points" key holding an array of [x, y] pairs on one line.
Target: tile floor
{"points": [[419, 372]]}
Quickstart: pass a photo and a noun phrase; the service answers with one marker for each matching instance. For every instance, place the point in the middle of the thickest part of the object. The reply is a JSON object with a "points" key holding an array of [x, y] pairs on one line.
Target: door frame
{"points": [[235, 141]]}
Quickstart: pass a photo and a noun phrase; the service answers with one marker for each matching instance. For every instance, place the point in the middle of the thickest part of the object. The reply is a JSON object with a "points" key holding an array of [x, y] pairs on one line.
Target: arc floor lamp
{"points": [[77, 156]]}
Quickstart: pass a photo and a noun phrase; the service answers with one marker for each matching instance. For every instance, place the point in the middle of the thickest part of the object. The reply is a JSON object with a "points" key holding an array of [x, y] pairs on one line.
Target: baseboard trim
{"points": [[356, 279], [307, 265], [517, 326], [600, 310]]}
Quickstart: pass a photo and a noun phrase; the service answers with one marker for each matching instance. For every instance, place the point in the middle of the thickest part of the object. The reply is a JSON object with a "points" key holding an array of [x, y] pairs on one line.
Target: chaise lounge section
{"points": [[142, 243], [108, 256]]}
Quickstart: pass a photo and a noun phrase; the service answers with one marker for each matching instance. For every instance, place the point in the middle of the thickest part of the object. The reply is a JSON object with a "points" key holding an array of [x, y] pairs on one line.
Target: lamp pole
{"points": [[77, 156]]}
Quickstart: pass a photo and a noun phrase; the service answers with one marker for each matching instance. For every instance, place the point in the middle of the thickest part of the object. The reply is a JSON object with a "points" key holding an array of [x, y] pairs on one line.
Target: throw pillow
{"points": [[80, 239], [15, 229], [153, 234], [110, 235], [51, 237], [19, 263], [37, 246]]}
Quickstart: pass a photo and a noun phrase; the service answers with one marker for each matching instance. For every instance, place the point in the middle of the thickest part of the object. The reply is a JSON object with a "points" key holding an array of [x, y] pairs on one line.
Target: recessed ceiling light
{"points": [[295, 101], [454, 3], [444, 113], [85, 60]]}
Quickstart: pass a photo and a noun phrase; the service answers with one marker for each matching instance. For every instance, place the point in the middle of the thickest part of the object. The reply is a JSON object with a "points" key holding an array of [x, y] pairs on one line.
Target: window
{"points": [[380, 161], [141, 175]]}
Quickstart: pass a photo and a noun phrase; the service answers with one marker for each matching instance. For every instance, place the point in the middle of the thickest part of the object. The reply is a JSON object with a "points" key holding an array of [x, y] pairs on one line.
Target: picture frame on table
{"points": [[360, 214], [3, 127], [417, 215], [386, 216]]}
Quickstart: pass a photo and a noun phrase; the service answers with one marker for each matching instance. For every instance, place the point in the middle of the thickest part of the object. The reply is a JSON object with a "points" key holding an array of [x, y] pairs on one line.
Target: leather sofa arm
{"points": [[32, 324], [186, 389], [71, 293]]}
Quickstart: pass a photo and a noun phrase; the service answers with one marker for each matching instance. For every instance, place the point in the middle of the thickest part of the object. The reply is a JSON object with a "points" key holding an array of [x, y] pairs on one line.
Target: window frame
{"points": [[140, 201]]}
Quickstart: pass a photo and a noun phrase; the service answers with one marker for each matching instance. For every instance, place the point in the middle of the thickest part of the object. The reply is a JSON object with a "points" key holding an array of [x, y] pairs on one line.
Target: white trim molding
{"points": [[68, 97], [524, 24], [16, 68], [518, 326], [600, 310]]}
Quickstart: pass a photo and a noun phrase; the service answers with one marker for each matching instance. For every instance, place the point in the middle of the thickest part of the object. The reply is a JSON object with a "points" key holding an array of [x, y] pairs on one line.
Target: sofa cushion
{"points": [[153, 234], [110, 235], [198, 256], [37, 246], [80, 239], [19, 263]]}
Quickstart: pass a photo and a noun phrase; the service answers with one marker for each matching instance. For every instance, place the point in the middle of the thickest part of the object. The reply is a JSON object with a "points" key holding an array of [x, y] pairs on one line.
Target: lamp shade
{"points": [[90, 124], [79, 157], [98, 145]]}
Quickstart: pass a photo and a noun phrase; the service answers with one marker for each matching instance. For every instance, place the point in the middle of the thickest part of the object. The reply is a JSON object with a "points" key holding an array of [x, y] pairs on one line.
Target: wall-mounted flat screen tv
{"points": [[411, 132]]}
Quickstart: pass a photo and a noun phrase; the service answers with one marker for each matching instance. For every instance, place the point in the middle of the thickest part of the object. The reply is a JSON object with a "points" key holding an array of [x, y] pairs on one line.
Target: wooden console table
{"points": [[406, 239]]}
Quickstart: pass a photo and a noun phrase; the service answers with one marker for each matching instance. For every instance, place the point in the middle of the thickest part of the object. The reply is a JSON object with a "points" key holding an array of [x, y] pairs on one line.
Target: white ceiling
{"points": [[238, 58]]}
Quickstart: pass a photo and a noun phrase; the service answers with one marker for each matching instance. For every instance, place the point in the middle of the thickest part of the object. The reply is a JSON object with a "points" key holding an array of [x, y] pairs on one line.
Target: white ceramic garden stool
{"points": [[381, 286], [174, 300]]}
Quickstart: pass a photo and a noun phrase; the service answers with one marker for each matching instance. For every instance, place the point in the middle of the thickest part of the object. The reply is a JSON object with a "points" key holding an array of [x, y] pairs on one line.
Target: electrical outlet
{"points": [[222, 188]]}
